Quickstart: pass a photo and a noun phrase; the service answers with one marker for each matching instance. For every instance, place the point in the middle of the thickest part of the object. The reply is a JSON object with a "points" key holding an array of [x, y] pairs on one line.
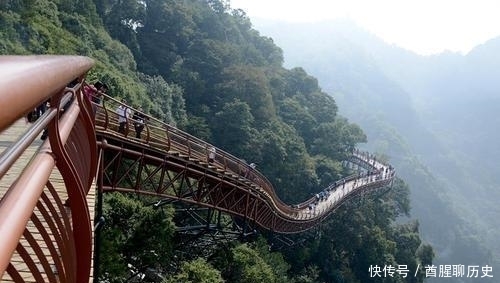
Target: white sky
{"points": [[423, 26]]}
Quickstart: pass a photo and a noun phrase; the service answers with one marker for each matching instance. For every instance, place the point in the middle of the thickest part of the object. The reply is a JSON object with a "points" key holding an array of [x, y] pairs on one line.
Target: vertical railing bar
{"points": [[63, 229], [62, 272], [18, 203], [71, 251], [41, 256], [14, 274], [30, 263], [86, 130]]}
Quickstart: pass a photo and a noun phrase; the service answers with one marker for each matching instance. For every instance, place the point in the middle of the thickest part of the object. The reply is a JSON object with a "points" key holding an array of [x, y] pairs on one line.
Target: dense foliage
{"points": [[432, 115], [201, 65]]}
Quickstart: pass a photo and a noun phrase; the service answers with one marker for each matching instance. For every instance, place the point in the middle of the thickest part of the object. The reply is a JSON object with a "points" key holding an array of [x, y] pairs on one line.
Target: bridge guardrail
{"points": [[173, 140], [25, 83]]}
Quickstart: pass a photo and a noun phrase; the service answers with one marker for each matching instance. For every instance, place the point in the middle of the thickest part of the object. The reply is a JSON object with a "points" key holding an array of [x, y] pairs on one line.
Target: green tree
{"points": [[196, 271], [300, 83], [198, 126], [310, 274], [284, 159], [274, 259], [247, 266], [167, 101], [251, 86], [364, 233], [293, 113], [167, 32], [134, 239], [232, 127], [337, 139]]}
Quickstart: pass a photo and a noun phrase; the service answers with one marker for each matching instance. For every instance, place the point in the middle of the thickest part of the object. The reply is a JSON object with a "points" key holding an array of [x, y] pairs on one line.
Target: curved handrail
{"points": [[40, 76], [26, 82], [171, 140], [190, 145]]}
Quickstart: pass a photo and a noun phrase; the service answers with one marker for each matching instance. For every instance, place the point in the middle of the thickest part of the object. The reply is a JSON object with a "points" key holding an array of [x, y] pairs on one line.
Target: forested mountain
{"points": [[200, 65], [433, 116]]}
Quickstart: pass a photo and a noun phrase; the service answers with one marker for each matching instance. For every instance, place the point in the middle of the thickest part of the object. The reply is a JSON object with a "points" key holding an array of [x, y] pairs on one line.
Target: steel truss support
{"points": [[130, 166], [201, 230], [140, 170]]}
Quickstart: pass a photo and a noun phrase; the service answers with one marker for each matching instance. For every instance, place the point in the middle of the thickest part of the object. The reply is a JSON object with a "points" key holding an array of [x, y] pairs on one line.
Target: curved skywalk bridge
{"points": [[178, 164], [46, 205]]}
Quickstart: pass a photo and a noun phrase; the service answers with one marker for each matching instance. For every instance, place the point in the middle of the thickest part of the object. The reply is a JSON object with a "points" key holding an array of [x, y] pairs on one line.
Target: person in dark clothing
{"points": [[40, 111], [139, 120]]}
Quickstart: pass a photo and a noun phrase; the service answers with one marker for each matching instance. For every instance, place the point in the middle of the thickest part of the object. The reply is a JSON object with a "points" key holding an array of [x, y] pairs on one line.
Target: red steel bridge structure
{"points": [[46, 206]]}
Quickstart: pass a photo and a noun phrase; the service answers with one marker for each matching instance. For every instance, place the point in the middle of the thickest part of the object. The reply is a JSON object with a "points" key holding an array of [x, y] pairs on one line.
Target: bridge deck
{"points": [[7, 138]]}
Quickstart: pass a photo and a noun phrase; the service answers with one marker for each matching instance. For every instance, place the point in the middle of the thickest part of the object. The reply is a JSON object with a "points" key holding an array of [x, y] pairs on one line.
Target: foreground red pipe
{"points": [[25, 82]]}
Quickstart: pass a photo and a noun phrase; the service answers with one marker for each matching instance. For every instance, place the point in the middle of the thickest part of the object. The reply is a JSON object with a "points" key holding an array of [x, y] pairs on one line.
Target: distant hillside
{"points": [[433, 116]]}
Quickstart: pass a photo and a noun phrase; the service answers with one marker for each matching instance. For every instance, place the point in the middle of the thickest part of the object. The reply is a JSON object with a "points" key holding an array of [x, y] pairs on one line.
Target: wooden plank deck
{"points": [[7, 138]]}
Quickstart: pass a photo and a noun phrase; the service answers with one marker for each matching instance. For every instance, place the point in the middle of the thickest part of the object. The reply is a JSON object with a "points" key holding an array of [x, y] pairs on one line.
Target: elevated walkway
{"points": [[191, 170], [37, 230], [44, 240]]}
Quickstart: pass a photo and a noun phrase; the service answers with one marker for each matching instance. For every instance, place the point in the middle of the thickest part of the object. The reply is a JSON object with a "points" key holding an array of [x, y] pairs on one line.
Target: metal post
{"points": [[99, 218]]}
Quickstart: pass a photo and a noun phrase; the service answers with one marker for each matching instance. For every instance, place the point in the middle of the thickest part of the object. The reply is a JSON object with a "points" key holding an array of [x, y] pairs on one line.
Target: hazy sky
{"points": [[424, 26]]}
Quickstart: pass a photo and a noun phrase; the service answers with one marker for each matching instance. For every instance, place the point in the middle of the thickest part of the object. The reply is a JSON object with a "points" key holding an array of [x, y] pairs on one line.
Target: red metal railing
{"points": [[32, 209], [172, 141], [161, 135]]}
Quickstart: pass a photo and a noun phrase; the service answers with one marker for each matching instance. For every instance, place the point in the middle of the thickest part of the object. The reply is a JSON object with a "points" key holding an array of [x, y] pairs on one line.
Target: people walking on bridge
{"points": [[94, 92], [139, 120], [123, 114], [37, 113], [248, 172], [211, 155]]}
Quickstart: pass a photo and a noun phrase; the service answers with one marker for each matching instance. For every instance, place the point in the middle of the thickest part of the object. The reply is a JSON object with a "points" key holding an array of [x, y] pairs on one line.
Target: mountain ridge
{"points": [[367, 77]]}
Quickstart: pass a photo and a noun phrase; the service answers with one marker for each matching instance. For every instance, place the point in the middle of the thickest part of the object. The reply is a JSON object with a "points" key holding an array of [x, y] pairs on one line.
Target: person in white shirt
{"points": [[211, 155], [123, 114]]}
